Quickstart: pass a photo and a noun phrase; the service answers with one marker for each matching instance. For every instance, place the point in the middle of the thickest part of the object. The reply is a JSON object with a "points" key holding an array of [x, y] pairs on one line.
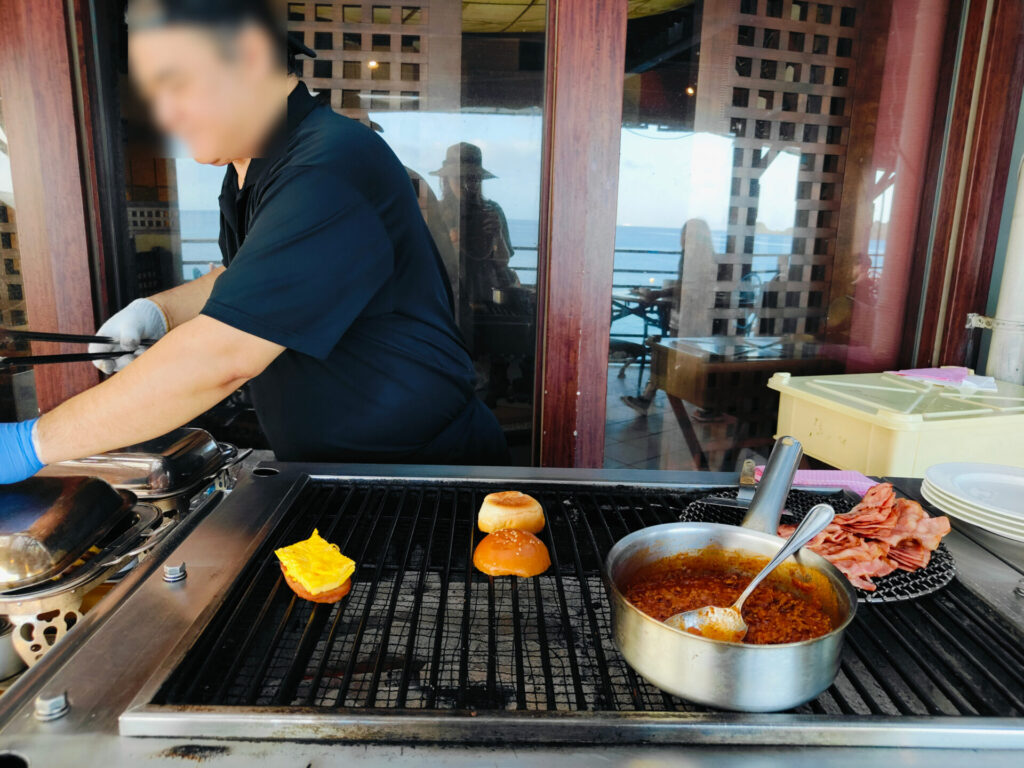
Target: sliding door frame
{"points": [[42, 109], [956, 240], [586, 59]]}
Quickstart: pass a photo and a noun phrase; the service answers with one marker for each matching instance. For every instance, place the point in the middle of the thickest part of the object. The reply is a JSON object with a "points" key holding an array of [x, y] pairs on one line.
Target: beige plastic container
{"points": [[883, 424]]}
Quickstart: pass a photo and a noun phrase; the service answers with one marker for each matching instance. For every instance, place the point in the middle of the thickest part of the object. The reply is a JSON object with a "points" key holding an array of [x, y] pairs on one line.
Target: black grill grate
{"points": [[421, 630]]}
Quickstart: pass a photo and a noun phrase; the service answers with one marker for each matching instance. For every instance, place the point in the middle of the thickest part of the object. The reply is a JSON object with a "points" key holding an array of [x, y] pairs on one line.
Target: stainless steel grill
{"points": [[423, 632]]}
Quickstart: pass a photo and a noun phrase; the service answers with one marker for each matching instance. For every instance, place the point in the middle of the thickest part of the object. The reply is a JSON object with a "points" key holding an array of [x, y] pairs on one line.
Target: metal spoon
{"points": [[727, 623]]}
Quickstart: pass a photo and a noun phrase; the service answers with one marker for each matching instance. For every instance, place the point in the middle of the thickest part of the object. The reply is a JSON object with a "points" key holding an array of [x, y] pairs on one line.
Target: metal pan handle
{"points": [[150, 540], [232, 454], [770, 497]]}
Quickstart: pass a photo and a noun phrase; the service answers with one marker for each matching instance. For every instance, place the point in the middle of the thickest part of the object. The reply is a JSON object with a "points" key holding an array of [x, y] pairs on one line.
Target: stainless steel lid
{"points": [[157, 468], [47, 523]]}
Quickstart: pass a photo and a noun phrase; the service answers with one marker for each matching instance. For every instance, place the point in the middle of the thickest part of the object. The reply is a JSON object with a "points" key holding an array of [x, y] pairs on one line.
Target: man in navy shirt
{"points": [[333, 304]]}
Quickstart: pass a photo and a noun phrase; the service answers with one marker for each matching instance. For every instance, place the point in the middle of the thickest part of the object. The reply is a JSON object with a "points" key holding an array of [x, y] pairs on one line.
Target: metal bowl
{"points": [[724, 675], [46, 523]]}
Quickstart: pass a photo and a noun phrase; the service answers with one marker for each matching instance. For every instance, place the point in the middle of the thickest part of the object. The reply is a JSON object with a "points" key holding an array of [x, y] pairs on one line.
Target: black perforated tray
{"points": [[897, 586]]}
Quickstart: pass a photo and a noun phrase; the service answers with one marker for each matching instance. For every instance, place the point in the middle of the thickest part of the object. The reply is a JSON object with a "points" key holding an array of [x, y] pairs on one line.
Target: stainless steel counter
{"points": [[123, 649]]}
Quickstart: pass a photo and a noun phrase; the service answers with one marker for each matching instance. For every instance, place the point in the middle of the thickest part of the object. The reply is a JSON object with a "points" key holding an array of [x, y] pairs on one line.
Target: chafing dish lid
{"points": [[160, 467], [47, 523]]}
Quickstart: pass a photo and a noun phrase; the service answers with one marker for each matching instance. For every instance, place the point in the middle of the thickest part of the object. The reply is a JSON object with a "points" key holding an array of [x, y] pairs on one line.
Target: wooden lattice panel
{"points": [[778, 76], [379, 56], [12, 289]]}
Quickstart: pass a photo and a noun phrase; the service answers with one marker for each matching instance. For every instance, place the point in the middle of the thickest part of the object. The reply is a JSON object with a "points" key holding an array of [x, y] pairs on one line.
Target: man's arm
{"points": [[184, 302], [188, 371], [151, 319]]}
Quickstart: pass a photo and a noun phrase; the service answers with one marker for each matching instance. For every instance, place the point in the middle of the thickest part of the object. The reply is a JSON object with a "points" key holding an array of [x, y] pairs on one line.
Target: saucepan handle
{"points": [[770, 497]]}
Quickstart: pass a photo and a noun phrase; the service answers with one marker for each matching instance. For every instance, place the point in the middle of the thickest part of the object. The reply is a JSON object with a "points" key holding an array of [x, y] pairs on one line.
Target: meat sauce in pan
{"points": [[783, 609]]}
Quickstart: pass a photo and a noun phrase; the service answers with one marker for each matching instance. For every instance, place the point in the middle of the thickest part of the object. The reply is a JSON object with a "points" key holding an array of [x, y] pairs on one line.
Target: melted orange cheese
{"points": [[316, 564]]}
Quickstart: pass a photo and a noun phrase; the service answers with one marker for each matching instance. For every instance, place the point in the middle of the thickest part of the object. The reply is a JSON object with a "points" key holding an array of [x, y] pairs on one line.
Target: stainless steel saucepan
{"points": [[737, 676]]}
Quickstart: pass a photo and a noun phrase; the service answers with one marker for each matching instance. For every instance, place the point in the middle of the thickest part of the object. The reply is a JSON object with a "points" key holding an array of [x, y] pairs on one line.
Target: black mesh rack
{"points": [[422, 631]]}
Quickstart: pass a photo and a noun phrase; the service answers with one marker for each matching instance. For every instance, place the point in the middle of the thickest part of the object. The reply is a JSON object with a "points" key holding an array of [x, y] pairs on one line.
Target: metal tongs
{"points": [[776, 481], [744, 491], [8, 335], [765, 499]]}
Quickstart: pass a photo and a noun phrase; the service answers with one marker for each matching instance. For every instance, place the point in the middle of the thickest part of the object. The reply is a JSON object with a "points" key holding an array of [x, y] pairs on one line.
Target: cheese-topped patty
{"points": [[316, 564]]}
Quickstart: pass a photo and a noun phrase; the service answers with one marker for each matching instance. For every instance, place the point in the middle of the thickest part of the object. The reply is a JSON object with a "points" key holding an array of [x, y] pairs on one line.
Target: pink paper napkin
{"points": [[953, 376], [829, 478]]}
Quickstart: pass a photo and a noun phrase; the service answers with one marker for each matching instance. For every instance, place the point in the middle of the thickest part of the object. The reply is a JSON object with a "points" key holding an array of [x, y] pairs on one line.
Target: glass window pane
{"points": [[323, 68], [17, 387], [460, 101], [728, 264]]}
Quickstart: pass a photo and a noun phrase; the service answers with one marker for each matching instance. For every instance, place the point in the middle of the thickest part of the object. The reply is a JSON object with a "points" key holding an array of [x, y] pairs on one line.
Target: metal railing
{"points": [[652, 278]]}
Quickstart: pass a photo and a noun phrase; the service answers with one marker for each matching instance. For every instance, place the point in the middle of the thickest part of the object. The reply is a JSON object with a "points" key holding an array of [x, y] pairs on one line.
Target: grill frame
{"points": [[466, 725]]}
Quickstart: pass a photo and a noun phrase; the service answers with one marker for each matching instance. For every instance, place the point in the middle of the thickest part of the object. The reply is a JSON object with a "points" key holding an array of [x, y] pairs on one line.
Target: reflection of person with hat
{"points": [[333, 305], [477, 226]]}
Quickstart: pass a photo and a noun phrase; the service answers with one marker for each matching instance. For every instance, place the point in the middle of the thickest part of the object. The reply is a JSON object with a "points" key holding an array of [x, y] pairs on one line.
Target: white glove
{"points": [[142, 319]]}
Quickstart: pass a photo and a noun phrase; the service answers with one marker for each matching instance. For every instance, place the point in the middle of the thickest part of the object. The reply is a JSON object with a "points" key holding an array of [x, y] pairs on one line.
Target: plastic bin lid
{"points": [[892, 397]]}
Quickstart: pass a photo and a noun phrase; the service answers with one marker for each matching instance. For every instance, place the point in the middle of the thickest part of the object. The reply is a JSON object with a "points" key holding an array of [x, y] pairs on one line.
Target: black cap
{"points": [[214, 13]]}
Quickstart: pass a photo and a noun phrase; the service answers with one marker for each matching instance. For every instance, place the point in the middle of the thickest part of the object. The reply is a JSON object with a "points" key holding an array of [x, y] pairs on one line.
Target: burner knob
{"points": [[173, 573], [52, 706]]}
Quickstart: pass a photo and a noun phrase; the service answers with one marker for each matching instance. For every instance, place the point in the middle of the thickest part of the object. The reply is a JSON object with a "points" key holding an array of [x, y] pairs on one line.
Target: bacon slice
{"points": [[878, 536], [876, 514], [880, 495], [909, 556], [929, 532], [860, 572]]}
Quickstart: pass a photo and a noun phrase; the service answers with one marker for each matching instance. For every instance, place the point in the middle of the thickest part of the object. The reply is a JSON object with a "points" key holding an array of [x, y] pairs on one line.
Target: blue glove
{"points": [[18, 457]]}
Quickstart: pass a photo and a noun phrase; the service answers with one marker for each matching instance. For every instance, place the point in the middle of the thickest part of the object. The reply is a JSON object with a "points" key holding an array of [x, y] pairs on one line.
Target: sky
{"points": [[665, 177], [6, 184]]}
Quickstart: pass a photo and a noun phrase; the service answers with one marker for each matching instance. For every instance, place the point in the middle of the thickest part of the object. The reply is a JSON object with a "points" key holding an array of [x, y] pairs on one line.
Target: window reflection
{"points": [[456, 90], [745, 245], [17, 389]]}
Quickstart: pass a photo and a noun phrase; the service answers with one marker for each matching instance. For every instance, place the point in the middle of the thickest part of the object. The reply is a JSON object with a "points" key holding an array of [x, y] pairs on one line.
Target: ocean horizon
{"points": [[644, 256]]}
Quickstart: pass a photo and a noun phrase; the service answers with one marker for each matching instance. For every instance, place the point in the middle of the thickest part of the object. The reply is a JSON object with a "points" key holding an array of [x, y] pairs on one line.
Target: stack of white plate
{"points": [[990, 496]]}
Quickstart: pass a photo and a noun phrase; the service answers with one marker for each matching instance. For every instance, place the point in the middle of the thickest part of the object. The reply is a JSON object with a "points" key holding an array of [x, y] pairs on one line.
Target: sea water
{"points": [[644, 256]]}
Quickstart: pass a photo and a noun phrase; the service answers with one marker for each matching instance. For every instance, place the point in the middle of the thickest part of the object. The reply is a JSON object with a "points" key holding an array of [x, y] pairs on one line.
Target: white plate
{"points": [[1009, 522], [1000, 530], [993, 487], [1004, 521], [948, 508]]}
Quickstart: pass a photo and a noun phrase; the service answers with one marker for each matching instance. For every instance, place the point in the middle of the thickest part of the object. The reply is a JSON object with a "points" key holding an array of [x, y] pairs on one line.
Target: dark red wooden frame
{"points": [[586, 51], [977, 161], [41, 122]]}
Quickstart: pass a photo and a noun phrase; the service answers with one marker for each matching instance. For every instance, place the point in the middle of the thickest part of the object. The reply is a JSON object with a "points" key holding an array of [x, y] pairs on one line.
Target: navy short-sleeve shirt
{"points": [[328, 255]]}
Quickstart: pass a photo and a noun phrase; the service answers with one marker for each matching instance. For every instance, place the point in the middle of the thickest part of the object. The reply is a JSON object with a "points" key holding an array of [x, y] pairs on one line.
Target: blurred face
{"points": [[220, 95]]}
